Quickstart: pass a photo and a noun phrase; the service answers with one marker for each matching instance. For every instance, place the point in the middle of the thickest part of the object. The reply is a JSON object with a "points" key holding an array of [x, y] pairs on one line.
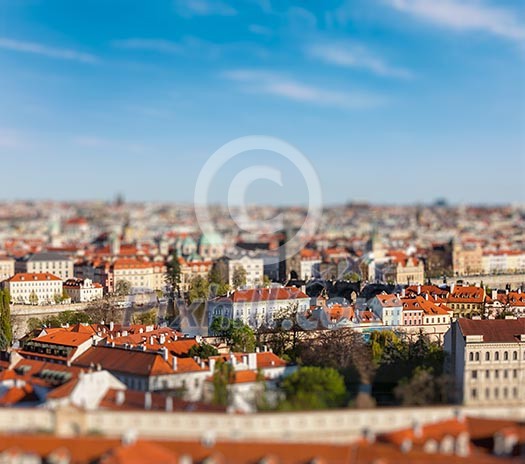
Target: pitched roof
{"points": [[64, 338], [33, 276], [389, 300], [268, 294], [132, 361], [494, 330]]}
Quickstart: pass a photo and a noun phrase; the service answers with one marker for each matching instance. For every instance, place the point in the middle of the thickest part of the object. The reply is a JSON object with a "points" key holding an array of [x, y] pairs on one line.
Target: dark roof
{"points": [[47, 256], [494, 331]]}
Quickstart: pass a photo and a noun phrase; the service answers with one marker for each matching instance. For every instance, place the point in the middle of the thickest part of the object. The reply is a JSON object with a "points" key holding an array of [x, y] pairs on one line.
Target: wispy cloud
{"points": [[151, 45], [189, 8], [349, 55], [45, 50], [260, 30], [465, 15], [271, 83], [191, 47]]}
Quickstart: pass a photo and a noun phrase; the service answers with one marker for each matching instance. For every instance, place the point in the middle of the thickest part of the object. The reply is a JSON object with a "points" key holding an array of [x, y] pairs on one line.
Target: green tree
{"points": [[238, 336], [266, 281], [34, 323], [122, 287], [6, 330], [313, 388], [173, 273], [203, 351], [220, 327], [241, 338], [198, 289], [423, 388], [146, 318], [223, 375], [386, 345], [33, 298], [352, 277], [239, 277], [218, 279]]}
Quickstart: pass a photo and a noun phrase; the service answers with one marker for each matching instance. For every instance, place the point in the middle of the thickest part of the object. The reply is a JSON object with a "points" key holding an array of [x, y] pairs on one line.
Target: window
{"points": [[487, 356], [505, 374], [505, 355], [474, 374], [496, 356], [477, 355], [487, 374], [487, 393], [474, 393], [515, 355], [496, 392], [515, 373], [496, 374], [471, 356]]}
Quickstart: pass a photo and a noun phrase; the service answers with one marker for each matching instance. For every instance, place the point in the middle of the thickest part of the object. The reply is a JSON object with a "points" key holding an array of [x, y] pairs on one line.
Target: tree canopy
{"points": [[313, 388]]}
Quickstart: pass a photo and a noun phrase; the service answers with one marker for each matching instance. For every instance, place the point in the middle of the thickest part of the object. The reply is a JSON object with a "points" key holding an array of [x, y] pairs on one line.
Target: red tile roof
{"points": [[33, 276], [494, 331]]}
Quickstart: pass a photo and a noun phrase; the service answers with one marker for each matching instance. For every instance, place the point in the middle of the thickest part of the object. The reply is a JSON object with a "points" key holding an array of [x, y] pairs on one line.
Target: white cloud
{"points": [[260, 30], [152, 45], [189, 8], [44, 50], [270, 83], [464, 15], [354, 56]]}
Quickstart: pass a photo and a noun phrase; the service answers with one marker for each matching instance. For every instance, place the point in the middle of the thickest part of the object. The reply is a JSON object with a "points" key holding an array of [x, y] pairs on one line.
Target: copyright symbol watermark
{"points": [[237, 207]]}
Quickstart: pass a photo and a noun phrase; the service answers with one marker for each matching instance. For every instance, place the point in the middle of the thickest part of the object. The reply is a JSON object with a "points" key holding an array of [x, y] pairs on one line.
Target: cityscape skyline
{"points": [[425, 94]]}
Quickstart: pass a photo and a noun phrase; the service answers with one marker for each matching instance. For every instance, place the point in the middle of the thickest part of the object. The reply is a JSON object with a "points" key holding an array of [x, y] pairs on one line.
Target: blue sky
{"points": [[392, 100]]}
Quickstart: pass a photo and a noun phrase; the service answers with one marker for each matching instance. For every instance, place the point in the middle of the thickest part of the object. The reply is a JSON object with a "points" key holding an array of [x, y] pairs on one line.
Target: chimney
{"points": [[164, 351], [151, 339], [111, 325], [452, 288], [121, 397], [417, 429], [419, 289], [162, 339], [174, 363], [369, 435], [403, 292], [252, 361], [169, 404], [426, 296], [494, 295], [212, 365], [99, 367], [147, 400]]}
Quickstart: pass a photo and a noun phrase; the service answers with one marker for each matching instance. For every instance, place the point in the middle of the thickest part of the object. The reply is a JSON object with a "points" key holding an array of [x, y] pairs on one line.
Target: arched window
{"points": [[505, 355], [477, 355], [471, 356], [496, 356], [487, 356], [515, 355]]}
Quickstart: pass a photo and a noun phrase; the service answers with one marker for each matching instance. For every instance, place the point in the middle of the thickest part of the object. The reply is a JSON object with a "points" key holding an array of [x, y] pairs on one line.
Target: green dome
{"points": [[211, 238]]}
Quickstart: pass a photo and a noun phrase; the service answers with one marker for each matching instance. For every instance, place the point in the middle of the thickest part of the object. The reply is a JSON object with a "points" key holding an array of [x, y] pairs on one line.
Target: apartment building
{"points": [[467, 258], [34, 288], [55, 263], [487, 360], [7, 267], [83, 290], [259, 306]]}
